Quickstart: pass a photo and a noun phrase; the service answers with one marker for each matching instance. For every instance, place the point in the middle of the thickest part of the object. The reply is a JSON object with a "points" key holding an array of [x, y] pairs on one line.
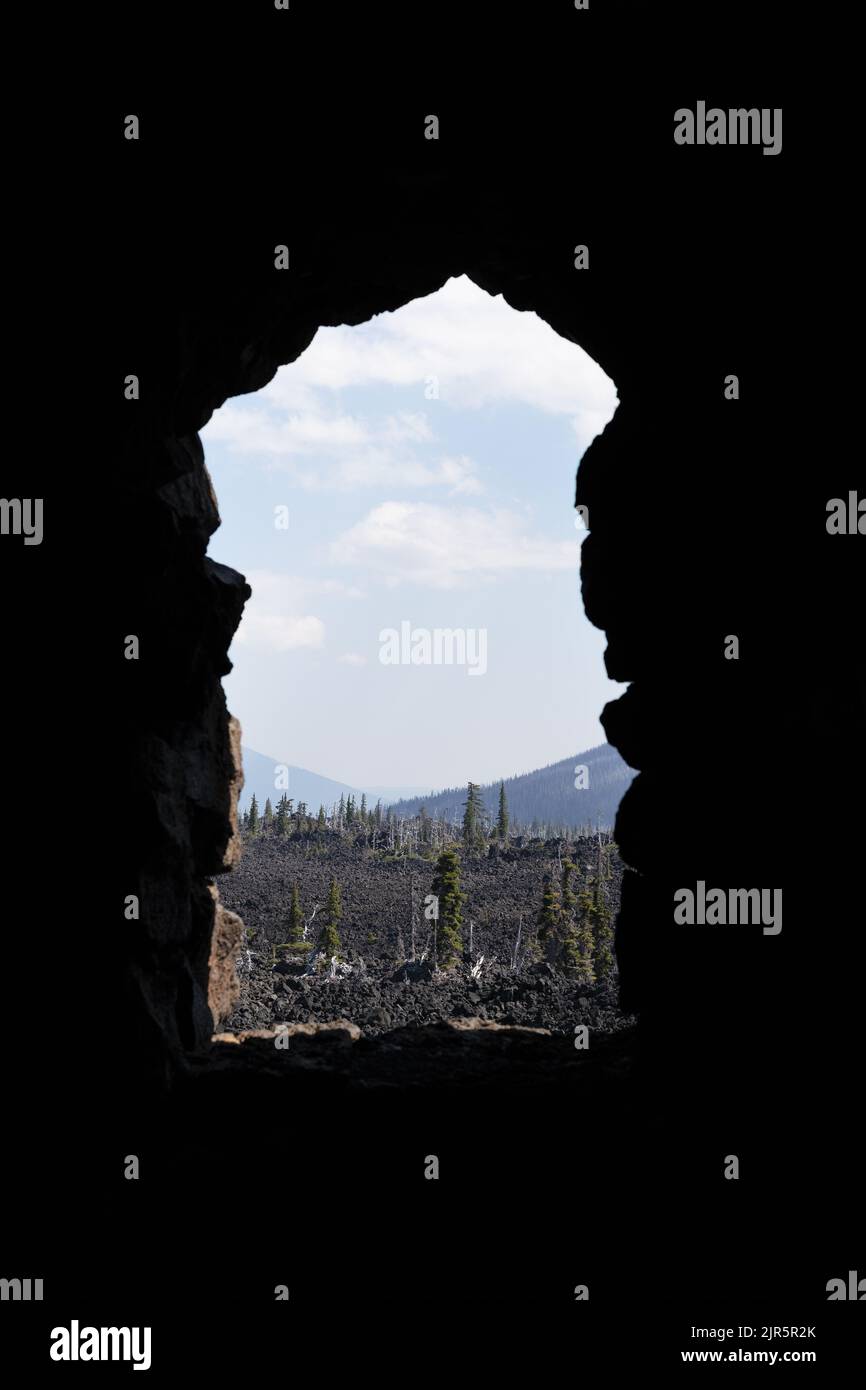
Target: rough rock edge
{"points": [[489, 1025], [223, 985], [341, 1027]]}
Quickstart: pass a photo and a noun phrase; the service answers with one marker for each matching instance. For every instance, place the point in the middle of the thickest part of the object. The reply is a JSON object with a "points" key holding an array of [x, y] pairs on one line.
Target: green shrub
{"points": [[292, 948]]}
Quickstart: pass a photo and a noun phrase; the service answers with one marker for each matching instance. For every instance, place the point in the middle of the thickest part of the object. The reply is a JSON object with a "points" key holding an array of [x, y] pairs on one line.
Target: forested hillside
{"points": [[558, 795]]}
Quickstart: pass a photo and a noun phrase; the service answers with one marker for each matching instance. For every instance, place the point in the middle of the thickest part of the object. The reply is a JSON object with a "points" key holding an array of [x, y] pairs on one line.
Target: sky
{"points": [[415, 470]]}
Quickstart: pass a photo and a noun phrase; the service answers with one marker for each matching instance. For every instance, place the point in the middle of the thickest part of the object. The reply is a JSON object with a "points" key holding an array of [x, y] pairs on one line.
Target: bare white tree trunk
{"points": [[517, 945], [308, 924]]}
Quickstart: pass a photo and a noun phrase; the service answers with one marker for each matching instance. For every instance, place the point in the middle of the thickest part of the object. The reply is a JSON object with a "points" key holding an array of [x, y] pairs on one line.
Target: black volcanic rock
{"points": [[382, 1004]]}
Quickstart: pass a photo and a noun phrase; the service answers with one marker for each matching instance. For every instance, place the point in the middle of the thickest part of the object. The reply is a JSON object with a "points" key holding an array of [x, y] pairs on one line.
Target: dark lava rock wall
{"points": [[707, 517]]}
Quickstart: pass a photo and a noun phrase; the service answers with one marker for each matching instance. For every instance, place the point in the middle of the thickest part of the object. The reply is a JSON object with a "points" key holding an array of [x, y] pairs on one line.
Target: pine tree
{"points": [[329, 936], [473, 812], [363, 811], [281, 819], [296, 918], [502, 818], [603, 942], [586, 929], [267, 815], [320, 820], [448, 926], [548, 920], [254, 815], [570, 956], [603, 918], [567, 897]]}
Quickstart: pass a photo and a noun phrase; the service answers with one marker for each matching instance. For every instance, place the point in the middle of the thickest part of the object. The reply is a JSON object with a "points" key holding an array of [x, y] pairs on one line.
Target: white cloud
{"points": [[480, 349], [444, 546], [481, 352], [382, 468], [275, 591], [257, 431], [341, 452], [247, 428], [279, 632], [273, 618], [459, 474]]}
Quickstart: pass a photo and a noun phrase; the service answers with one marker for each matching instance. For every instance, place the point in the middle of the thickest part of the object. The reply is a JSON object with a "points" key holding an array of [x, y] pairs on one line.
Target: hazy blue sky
{"points": [[454, 512]]}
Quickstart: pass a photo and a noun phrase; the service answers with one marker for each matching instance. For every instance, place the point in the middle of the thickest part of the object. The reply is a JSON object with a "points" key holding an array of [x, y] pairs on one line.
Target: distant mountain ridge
{"points": [[260, 777], [547, 796]]}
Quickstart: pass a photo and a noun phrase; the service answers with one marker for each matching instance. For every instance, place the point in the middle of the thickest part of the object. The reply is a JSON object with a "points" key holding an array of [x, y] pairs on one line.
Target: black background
{"points": [[237, 105]]}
